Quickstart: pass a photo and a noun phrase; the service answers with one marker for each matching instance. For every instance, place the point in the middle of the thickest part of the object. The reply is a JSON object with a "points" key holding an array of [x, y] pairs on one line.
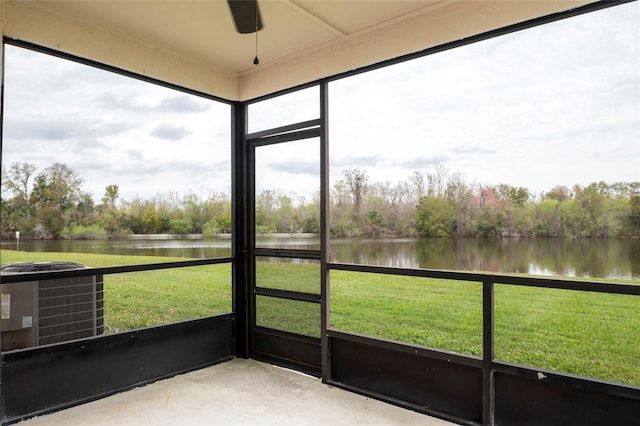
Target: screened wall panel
{"points": [[491, 156], [98, 162], [292, 316], [301, 275]]}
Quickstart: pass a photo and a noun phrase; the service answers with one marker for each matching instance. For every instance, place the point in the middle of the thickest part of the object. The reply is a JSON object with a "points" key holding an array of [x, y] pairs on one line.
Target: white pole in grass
{"points": [[17, 240]]}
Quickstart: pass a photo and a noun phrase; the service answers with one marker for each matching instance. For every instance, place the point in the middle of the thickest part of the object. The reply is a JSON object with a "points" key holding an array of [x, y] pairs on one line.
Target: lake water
{"points": [[597, 258]]}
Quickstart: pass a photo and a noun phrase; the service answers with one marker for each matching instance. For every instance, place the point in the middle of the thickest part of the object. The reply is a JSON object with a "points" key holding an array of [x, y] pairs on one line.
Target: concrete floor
{"points": [[238, 392]]}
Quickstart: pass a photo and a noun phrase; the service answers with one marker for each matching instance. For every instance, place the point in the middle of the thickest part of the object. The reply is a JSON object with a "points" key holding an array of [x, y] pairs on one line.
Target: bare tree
{"points": [[356, 180], [17, 179], [437, 181], [418, 186]]}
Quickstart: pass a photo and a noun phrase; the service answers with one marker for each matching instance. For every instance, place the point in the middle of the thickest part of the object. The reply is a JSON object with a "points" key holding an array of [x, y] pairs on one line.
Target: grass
{"points": [[143, 299], [303, 277], [436, 313], [573, 331], [577, 332], [584, 333], [288, 315]]}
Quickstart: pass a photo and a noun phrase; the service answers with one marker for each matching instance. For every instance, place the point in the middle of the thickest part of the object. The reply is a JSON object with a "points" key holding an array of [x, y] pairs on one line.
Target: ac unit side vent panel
{"points": [[69, 300], [63, 329], [70, 290], [57, 311], [70, 308], [52, 321], [81, 334]]}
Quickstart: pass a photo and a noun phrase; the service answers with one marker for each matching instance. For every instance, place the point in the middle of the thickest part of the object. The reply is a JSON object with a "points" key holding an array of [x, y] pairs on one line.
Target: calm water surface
{"points": [[597, 258]]}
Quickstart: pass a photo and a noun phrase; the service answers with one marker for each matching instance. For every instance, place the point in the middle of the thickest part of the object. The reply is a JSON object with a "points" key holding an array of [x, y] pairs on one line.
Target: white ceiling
{"points": [[194, 43], [204, 30]]}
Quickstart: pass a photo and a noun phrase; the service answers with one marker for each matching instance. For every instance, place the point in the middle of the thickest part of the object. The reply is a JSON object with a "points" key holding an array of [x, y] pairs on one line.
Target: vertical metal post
{"points": [[240, 232], [250, 226], [324, 230], [488, 400], [2, 53]]}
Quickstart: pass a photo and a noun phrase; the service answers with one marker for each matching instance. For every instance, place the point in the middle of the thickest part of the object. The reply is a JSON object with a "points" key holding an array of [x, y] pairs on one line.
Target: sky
{"points": [[553, 105]]}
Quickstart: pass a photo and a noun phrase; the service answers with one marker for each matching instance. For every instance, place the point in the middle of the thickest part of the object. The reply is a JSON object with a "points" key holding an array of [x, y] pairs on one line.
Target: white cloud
{"points": [[558, 104], [169, 132], [531, 108], [112, 129]]}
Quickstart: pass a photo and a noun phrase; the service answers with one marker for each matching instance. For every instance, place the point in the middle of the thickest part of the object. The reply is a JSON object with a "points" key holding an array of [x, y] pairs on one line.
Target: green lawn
{"points": [[143, 299], [583, 333], [577, 332]]}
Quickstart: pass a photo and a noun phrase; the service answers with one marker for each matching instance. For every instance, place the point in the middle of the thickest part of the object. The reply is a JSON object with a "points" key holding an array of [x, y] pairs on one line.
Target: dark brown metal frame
{"points": [[478, 390], [486, 391], [276, 346], [113, 363], [460, 388], [47, 378]]}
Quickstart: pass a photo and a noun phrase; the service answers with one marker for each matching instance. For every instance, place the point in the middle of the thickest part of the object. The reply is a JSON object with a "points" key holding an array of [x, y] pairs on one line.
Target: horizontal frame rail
{"points": [[51, 275], [286, 253], [283, 129], [562, 284], [286, 137], [288, 294]]}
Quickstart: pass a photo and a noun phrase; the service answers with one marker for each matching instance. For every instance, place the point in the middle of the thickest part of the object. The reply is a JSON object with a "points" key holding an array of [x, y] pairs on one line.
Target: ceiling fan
{"points": [[246, 15]]}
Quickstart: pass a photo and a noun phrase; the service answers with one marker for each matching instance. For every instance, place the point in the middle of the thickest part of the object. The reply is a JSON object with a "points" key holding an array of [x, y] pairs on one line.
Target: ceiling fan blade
{"points": [[246, 15]]}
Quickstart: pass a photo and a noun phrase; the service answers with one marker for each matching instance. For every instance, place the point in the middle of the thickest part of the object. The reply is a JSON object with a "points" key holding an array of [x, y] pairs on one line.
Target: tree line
{"points": [[444, 204], [52, 204]]}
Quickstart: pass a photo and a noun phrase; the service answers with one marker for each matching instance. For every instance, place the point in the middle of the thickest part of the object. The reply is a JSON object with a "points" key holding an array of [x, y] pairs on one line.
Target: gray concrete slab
{"points": [[238, 392]]}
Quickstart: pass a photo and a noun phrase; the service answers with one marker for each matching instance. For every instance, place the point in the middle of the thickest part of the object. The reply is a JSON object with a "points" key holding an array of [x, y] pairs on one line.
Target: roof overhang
{"points": [[194, 44]]}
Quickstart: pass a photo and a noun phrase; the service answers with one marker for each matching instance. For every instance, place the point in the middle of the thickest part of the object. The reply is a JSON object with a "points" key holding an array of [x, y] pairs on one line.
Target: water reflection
{"points": [[598, 258], [186, 248]]}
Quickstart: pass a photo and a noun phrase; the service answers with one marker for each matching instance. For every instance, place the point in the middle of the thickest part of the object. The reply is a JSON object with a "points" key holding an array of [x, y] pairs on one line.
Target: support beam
{"points": [[325, 306], [240, 231]]}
